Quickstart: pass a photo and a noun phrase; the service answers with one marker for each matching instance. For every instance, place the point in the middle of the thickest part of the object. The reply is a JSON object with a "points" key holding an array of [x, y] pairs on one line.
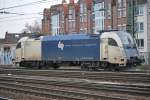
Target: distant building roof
{"points": [[12, 38]]}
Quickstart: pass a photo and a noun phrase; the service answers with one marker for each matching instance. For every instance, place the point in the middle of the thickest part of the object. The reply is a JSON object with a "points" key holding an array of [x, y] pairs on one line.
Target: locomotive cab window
{"points": [[18, 45], [112, 42]]}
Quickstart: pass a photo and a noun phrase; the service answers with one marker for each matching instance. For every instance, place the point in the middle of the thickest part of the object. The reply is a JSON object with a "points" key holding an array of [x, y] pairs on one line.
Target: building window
{"points": [[119, 27], [109, 28], [55, 24], [81, 8], [121, 8], [83, 18], [140, 43], [108, 11], [124, 28], [119, 4], [140, 10], [71, 12], [124, 3], [72, 19], [98, 17], [139, 27], [124, 12], [119, 13]]}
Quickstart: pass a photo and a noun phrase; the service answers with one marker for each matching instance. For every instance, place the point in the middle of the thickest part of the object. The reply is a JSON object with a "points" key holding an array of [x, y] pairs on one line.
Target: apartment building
{"points": [[142, 27], [46, 21], [61, 19], [115, 14]]}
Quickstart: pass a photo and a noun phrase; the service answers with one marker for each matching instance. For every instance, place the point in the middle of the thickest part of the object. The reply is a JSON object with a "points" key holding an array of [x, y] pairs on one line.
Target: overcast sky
{"points": [[15, 23]]}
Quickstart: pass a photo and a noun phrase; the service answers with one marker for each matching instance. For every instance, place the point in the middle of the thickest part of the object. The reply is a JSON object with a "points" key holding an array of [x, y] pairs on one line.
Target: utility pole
{"points": [[132, 17], [113, 4]]}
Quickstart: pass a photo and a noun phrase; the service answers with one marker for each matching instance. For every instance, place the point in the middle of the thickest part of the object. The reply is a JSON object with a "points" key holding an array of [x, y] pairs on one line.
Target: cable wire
{"points": [[27, 4], [19, 19]]}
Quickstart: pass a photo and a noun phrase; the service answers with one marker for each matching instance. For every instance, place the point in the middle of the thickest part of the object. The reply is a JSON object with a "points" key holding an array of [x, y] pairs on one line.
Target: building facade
{"points": [[142, 27], [63, 19], [85, 20], [56, 20], [115, 14], [148, 30], [87, 16], [72, 19], [46, 21]]}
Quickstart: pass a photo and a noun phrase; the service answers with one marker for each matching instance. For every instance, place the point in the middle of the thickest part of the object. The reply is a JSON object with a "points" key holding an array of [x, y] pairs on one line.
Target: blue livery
{"points": [[74, 47]]}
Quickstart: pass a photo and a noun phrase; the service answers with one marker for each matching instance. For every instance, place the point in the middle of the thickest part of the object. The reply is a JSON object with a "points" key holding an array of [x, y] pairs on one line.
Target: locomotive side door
{"points": [[114, 52], [104, 49], [18, 52]]}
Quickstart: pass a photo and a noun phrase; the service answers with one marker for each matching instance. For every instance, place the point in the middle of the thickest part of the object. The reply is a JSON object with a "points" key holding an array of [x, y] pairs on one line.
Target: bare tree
{"points": [[35, 28]]}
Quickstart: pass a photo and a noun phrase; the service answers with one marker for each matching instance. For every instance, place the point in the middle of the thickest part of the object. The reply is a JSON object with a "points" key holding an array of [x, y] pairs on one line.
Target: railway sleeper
{"points": [[96, 88], [81, 96], [40, 93]]}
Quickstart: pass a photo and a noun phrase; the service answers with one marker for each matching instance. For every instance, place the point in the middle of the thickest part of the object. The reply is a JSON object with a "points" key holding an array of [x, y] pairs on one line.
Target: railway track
{"points": [[103, 76], [77, 85], [69, 89], [2, 98], [73, 68]]}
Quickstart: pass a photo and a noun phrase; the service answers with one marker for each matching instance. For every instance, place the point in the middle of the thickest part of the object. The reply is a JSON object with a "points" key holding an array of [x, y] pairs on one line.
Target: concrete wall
{"points": [[6, 55]]}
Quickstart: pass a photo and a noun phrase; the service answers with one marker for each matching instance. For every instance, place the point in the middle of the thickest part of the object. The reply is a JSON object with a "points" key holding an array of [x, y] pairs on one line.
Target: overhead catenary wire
{"points": [[26, 4], [6, 12], [19, 19], [22, 14], [3, 12], [3, 19]]}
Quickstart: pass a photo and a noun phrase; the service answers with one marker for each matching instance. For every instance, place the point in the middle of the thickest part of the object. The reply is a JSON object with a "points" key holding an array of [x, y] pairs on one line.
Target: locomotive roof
{"points": [[71, 37]]}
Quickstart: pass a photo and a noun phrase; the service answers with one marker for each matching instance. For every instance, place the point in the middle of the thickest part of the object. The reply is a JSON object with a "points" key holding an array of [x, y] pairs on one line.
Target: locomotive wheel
{"points": [[84, 67], [55, 66]]}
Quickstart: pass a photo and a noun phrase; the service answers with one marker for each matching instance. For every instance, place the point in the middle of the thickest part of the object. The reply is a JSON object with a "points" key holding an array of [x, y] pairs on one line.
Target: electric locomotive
{"points": [[108, 50]]}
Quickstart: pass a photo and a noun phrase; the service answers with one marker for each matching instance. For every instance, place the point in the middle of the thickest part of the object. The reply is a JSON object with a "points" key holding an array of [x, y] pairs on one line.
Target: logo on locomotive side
{"points": [[60, 45]]}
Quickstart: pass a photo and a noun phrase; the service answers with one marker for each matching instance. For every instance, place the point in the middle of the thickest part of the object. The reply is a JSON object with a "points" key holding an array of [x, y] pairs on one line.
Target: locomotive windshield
{"points": [[127, 40], [18, 45]]}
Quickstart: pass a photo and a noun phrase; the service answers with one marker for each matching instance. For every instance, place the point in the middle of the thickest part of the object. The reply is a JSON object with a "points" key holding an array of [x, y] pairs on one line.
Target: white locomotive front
{"points": [[119, 48]]}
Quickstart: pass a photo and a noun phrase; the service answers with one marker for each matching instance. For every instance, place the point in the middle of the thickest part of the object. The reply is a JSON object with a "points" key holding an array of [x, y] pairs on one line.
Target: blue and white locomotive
{"points": [[110, 50]]}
